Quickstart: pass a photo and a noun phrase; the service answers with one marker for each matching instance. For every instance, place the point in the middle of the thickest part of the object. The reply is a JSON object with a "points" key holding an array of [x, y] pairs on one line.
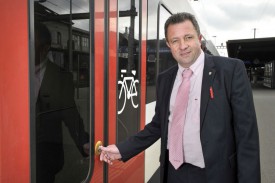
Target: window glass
{"points": [[159, 57], [128, 69], [165, 58], [62, 90]]}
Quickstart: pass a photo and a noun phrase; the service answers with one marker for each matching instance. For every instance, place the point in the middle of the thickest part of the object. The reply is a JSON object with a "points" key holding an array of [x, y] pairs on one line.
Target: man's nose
{"points": [[183, 44]]}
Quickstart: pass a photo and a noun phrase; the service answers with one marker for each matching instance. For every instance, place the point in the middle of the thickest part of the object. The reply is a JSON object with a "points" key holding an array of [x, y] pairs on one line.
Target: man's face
{"points": [[184, 42]]}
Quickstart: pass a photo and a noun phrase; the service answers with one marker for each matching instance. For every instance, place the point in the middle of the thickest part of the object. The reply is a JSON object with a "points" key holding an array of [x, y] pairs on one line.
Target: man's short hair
{"points": [[179, 18], [42, 33]]}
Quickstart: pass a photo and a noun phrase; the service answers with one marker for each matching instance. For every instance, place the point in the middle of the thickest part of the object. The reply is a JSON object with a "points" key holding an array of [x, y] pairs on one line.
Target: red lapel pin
{"points": [[211, 93]]}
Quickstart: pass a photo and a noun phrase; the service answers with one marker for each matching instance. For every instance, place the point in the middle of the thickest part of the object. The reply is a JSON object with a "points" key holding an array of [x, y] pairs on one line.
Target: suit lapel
{"points": [[207, 81], [47, 79], [48, 88], [171, 79]]}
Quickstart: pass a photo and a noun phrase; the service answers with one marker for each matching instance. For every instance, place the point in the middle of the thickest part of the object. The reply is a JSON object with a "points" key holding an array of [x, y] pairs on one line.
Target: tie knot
{"points": [[187, 73]]}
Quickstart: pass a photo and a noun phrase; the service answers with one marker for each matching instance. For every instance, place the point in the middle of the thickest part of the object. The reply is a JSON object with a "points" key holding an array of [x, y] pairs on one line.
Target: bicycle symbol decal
{"points": [[127, 92]]}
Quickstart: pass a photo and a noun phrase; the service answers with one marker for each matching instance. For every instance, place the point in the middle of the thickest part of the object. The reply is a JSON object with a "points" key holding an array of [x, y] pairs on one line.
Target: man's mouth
{"points": [[185, 54]]}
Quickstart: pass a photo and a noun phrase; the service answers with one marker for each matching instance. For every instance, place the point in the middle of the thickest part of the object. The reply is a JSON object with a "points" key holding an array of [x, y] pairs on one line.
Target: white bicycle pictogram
{"points": [[127, 91]]}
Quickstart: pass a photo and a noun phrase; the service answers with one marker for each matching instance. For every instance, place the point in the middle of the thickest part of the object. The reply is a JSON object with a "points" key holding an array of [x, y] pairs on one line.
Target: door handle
{"points": [[97, 148]]}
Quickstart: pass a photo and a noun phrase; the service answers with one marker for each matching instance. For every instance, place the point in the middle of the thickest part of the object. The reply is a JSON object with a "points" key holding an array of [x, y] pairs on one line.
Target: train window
{"points": [[62, 91], [128, 69], [165, 59], [159, 57]]}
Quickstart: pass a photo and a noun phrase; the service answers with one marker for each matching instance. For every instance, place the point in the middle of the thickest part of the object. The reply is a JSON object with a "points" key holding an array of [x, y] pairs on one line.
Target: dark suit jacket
{"points": [[229, 132], [55, 104]]}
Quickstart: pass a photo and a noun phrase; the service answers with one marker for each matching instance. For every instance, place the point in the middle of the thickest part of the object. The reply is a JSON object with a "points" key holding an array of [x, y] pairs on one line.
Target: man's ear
{"points": [[167, 44], [200, 38]]}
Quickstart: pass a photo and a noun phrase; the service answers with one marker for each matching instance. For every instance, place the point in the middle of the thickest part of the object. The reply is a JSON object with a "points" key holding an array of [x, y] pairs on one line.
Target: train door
{"points": [[62, 98], [124, 87], [86, 86]]}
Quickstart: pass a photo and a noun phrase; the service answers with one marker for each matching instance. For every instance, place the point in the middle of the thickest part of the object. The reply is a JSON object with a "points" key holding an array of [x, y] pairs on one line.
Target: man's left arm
{"points": [[72, 118], [245, 126]]}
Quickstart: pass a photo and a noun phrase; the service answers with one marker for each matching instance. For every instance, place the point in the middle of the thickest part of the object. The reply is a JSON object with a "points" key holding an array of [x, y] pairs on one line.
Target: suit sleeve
{"points": [[245, 126], [71, 116]]}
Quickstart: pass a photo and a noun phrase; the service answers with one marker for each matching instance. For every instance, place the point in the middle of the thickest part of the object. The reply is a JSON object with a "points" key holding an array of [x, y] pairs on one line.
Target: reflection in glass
{"points": [[128, 69], [62, 91], [159, 57]]}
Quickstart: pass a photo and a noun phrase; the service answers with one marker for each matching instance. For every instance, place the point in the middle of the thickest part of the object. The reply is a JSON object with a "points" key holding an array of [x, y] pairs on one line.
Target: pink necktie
{"points": [[177, 124]]}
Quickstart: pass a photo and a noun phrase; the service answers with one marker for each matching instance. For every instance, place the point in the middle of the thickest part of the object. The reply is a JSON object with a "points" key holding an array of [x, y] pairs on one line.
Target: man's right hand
{"points": [[109, 154]]}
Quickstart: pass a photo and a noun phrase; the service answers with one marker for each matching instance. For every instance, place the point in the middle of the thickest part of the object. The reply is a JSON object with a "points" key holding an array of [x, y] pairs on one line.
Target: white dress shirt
{"points": [[39, 75], [191, 135]]}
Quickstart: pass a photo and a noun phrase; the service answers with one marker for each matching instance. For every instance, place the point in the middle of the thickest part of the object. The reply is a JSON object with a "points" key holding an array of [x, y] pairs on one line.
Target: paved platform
{"points": [[264, 99]]}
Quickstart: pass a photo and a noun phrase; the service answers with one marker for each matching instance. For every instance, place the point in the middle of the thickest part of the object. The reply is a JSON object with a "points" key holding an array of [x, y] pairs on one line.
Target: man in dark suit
{"points": [[54, 93], [219, 140]]}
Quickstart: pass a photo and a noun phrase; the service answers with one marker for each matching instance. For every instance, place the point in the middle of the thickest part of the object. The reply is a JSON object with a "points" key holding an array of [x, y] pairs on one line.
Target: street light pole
{"points": [[254, 33]]}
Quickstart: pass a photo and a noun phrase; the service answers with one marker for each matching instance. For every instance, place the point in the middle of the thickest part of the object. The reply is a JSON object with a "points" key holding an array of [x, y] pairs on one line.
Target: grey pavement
{"points": [[264, 100]]}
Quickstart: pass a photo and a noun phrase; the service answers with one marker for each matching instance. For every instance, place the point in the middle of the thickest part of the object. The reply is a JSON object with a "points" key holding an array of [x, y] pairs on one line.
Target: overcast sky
{"points": [[236, 19]]}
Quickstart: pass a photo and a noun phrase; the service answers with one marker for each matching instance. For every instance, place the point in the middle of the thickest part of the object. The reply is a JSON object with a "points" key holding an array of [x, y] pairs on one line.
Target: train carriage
{"points": [[104, 56]]}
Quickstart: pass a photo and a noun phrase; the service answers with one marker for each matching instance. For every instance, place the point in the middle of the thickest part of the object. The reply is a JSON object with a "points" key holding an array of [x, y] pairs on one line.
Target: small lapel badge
{"points": [[211, 92], [210, 73]]}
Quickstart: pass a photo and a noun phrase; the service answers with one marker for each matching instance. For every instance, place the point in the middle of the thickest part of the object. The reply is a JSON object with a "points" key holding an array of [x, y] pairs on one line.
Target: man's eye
{"points": [[174, 41], [188, 38]]}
